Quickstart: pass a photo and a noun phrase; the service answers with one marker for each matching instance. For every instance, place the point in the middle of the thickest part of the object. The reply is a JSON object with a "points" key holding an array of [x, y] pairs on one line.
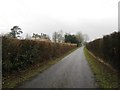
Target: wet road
{"points": [[72, 71]]}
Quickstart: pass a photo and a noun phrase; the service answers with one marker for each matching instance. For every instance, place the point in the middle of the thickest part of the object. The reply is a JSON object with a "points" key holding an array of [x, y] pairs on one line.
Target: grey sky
{"points": [[93, 17]]}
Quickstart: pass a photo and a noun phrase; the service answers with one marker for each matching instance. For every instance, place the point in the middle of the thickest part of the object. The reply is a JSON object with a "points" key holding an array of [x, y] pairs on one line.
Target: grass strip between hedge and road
{"points": [[14, 80], [104, 75]]}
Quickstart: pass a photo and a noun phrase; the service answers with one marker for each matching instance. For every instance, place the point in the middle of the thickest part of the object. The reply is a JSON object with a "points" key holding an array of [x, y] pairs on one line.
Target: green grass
{"points": [[105, 76], [16, 79]]}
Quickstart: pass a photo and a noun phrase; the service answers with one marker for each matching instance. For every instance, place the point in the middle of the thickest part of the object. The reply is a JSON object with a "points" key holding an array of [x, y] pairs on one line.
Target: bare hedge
{"points": [[107, 48], [20, 54]]}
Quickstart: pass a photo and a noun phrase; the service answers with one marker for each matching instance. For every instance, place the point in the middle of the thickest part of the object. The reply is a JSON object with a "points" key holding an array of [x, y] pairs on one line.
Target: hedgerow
{"points": [[20, 54], [107, 48]]}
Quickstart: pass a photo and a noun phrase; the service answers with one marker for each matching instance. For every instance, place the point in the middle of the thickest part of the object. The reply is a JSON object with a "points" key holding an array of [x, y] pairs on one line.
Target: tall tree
{"points": [[58, 36], [15, 31], [55, 36], [86, 37], [80, 37], [28, 37]]}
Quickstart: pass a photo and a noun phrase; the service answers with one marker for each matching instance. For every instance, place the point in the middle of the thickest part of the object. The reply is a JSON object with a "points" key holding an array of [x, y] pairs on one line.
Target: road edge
{"points": [[14, 81], [104, 75]]}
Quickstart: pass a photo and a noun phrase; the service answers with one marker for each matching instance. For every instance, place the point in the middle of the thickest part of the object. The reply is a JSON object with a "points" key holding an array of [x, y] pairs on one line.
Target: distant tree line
{"points": [[107, 48], [68, 38], [58, 37], [16, 32], [41, 37]]}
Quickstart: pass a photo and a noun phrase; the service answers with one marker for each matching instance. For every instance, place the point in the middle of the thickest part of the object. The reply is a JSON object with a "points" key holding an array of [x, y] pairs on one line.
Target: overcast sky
{"points": [[93, 17]]}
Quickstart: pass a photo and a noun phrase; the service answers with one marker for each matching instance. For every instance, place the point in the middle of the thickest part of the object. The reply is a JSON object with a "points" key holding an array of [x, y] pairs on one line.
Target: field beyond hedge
{"points": [[18, 55]]}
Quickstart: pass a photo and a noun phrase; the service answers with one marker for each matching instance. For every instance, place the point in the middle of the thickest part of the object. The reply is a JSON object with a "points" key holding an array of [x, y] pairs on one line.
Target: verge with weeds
{"points": [[105, 76]]}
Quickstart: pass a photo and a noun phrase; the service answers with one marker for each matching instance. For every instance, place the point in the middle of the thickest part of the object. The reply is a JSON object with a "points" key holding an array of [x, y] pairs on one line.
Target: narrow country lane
{"points": [[72, 71]]}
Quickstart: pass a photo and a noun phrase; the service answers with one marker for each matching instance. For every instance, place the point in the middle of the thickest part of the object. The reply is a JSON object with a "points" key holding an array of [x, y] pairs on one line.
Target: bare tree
{"points": [[86, 37], [80, 37], [41, 37], [55, 36], [58, 36], [35, 36], [28, 37]]}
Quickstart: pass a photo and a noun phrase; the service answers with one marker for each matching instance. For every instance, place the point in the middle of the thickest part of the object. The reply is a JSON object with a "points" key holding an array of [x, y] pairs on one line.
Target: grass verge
{"points": [[16, 79], [105, 76]]}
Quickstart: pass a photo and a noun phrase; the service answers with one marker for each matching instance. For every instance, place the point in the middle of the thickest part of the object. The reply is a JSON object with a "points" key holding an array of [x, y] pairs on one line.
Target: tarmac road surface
{"points": [[72, 71]]}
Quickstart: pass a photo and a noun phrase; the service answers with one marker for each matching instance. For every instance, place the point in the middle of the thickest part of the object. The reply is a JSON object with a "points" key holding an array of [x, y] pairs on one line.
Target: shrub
{"points": [[107, 48], [20, 54]]}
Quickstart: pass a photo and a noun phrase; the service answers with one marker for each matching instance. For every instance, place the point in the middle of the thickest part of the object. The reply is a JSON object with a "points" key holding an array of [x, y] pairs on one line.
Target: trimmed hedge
{"points": [[107, 48], [20, 54]]}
